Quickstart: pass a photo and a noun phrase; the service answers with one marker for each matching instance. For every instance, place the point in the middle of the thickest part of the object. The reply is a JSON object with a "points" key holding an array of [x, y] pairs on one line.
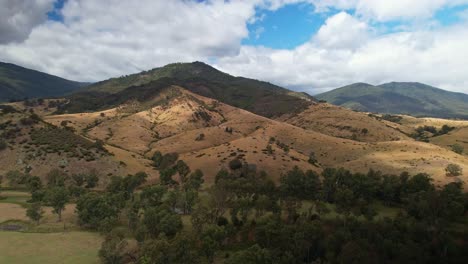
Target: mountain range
{"points": [[409, 98], [209, 118], [18, 83]]}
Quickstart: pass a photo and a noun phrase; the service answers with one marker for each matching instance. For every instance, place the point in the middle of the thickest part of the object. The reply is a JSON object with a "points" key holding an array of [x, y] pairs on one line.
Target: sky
{"points": [[305, 45]]}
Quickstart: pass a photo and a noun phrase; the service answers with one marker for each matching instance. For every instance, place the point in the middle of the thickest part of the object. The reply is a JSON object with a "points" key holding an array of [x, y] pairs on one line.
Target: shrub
{"points": [[3, 144], [163, 162], [457, 148], [200, 137], [235, 164], [453, 170]]}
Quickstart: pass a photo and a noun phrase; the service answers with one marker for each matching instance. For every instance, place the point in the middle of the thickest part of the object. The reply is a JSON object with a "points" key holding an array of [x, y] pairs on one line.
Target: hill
{"points": [[18, 83], [207, 134], [414, 99], [259, 97], [340, 122]]}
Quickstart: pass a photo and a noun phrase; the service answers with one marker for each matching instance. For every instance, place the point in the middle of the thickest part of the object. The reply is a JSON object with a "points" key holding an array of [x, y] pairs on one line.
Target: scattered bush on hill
{"points": [[457, 148], [453, 170]]}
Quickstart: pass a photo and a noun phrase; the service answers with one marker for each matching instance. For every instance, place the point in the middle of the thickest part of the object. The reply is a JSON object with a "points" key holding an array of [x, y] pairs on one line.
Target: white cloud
{"points": [[18, 17], [108, 38], [342, 31], [101, 39], [437, 57]]}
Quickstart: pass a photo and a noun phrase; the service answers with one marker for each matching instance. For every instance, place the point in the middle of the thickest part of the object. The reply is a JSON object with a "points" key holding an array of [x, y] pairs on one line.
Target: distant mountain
{"points": [[17, 83], [259, 97], [415, 99]]}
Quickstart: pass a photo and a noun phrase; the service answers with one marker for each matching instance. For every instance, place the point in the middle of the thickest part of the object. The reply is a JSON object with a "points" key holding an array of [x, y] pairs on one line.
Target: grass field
{"points": [[51, 248]]}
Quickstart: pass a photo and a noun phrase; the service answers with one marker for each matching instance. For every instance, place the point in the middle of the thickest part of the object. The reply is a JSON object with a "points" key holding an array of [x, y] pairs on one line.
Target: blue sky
{"points": [[285, 28], [307, 45], [294, 24]]}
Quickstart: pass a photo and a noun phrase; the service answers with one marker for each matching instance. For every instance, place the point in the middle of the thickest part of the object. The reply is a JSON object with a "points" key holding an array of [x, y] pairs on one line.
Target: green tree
{"points": [[35, 212], [161, 220], [91, 179], [113, 248], [56, 178], [211, 239], [93, 209], [195, 180], [57, 198]]}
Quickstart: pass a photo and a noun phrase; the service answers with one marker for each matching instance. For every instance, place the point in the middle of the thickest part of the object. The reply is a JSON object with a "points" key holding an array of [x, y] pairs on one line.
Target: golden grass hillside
{"points": [[341, 122], [207, 134]]}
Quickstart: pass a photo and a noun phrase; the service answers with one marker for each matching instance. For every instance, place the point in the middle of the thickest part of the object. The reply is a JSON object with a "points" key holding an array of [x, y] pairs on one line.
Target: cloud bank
{"points": [[101, 39]]}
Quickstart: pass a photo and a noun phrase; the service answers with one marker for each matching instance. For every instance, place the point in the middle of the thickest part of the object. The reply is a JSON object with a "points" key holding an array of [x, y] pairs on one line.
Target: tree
{"points": [[457, 148], [35, 212], [57, 197], [34, 184], [253, 255], [453, 170], [183, 169], [113, 248], [211, 239], [56, 178], [91, 179], [165, 176], [92, 209], [195, 180], [161, 220]]}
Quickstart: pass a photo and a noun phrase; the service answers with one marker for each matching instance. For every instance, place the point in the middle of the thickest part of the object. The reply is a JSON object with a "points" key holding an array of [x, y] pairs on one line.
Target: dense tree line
{"points": [[244, 217]]}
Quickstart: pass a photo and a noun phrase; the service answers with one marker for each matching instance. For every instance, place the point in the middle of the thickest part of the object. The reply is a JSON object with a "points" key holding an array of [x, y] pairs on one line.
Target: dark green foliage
{"points": [[57, 198], [18, 83], [163, 162], [300, 185], [34, 184], [94, 209], [235, 164], [3, 144], [17, 178], [457, 148], [126, 185], [160, 220], [165, 176], [113, 248], [453, 170], [195, 180], [57, 178], [392, 118], [421, 133], [59, 139], [400, 98], [35, 212], [179, 250]]}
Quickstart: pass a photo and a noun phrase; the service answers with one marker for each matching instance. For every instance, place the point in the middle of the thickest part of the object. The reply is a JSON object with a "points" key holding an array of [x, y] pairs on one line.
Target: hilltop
{"points": [[18, 83], [414, 99], [259, 97]]}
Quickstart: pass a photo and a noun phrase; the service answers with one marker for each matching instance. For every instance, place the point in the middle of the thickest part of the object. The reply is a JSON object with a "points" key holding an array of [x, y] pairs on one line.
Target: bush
{"points": [[457, 148], [235, 164], [163, 162], [3, 144], [200, 137], [453, 170]]}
